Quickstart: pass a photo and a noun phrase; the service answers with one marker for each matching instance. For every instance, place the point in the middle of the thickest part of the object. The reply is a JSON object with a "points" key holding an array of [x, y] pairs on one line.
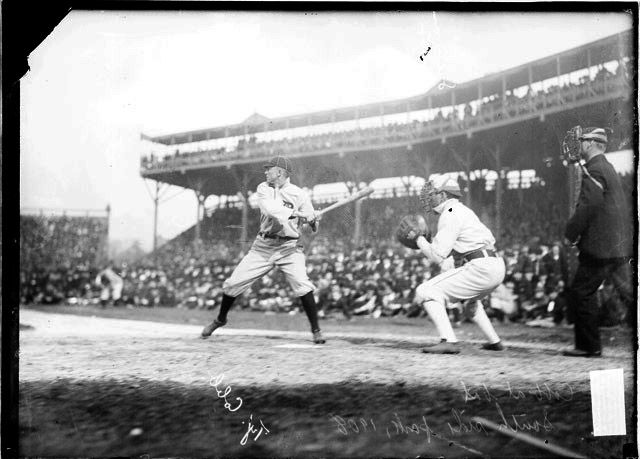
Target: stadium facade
{"points": [[491, 128]]}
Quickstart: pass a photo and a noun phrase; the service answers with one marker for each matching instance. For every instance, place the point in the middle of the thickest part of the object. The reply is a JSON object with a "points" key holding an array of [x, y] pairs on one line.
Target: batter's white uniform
{"points": [[460, 230], [276, 243]]}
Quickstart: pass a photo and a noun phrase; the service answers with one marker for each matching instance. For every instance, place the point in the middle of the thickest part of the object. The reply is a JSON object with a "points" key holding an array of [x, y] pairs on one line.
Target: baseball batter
{"points": [[283, 208], [461, 233]]}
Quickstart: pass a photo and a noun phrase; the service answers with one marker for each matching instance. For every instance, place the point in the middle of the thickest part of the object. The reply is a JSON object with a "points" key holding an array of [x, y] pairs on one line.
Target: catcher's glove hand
{"points": [[411, 227]]}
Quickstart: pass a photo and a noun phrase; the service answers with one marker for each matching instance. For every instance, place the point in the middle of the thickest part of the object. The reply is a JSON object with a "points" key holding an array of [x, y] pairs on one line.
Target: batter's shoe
{"points": [[213, 326], [493, 346], [318, 338], [443, 347]]}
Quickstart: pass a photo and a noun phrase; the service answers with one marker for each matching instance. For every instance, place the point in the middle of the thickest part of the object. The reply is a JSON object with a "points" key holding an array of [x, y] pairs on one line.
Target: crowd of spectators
{"points": [[57, 253], [374, 277], [491, 109]]}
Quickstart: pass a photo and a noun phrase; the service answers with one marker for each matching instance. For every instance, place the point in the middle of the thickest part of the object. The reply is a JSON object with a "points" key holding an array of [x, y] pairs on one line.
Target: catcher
{"points": [[461, 234]]}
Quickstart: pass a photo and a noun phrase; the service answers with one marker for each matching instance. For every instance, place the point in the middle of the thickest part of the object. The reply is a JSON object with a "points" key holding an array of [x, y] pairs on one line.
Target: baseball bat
{"points": [[354, 197]]}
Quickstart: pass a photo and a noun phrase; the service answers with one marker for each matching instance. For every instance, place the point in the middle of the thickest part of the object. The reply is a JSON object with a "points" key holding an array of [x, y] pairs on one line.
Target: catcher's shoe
{"points": [[493, 346], [443, 347], [213, 326], [318, 338]]}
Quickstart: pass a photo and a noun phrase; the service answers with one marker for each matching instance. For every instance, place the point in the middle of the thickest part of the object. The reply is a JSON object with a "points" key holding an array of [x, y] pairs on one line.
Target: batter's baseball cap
{"points": [[279, 161], [595, 134], [447, 184]]}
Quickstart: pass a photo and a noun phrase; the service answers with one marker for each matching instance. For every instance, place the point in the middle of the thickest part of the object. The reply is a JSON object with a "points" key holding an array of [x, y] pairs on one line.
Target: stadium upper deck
{"points": [[590, 82]]}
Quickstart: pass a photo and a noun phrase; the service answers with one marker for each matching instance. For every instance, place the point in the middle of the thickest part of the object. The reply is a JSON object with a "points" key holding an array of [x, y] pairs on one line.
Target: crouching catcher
{"points": [[460, 233]]}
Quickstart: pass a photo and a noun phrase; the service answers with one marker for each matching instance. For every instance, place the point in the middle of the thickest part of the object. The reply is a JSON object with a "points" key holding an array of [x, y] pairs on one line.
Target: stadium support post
{"points": [[355, 173], [199, 213], [244, 193], [156, 201], [358, 217], [495, 152], [421, 161], [104, 254], [406, 182], [241, 179], [198, 185], [156, 198], [465, 163]]}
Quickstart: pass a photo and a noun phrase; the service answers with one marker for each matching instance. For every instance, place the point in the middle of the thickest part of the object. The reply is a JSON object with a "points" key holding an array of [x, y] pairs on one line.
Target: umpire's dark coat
{"points": [[601, 223], [602, 227]]}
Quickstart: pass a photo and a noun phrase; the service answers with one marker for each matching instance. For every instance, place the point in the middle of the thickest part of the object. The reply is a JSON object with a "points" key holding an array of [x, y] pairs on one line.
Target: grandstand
{"points": [[59, 249], [500, 135], [502, 131]]}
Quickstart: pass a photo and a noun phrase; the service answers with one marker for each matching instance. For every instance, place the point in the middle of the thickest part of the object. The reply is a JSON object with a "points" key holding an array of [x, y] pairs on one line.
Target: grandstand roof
{"points": [[441, 95]]}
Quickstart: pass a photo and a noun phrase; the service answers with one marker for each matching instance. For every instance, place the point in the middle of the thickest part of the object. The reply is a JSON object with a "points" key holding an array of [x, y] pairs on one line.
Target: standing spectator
{"points": [[556, 275], [111, 284]]}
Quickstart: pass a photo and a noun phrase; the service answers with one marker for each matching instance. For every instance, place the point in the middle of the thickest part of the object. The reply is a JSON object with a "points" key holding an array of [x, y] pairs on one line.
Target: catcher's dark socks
{"points": [[309, 305], [227, 302]]}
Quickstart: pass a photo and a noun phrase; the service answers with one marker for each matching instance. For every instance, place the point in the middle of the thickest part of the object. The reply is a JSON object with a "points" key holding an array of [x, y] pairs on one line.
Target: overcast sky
{"points": [[102, 78]]}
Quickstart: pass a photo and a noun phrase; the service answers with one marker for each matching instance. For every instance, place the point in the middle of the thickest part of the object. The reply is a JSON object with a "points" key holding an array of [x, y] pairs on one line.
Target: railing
{"points": [[489, 115]]}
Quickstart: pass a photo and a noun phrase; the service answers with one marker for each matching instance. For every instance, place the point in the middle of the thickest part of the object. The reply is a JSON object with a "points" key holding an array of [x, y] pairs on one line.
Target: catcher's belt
{"points": [[480, 253]]}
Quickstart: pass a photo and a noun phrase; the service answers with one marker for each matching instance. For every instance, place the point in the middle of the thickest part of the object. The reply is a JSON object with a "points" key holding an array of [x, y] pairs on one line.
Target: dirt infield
{"points": [[95, 386]]}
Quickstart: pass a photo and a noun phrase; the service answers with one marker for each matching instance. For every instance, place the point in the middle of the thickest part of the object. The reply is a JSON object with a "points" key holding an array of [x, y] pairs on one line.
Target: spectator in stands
{"points": [[111, 284], [556, 276]]}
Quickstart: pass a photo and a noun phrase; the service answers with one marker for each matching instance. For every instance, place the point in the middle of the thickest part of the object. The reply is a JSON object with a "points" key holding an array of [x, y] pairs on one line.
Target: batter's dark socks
{"points": [[309, 305], [227, 302]]}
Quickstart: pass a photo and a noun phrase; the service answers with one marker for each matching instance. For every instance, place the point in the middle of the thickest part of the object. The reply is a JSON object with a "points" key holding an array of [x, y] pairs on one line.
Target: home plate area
{"points": [[87, 383]]}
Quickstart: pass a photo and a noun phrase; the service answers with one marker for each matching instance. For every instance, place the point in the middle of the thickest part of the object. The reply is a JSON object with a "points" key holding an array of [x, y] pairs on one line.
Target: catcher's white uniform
{"points": [[461, 231]]}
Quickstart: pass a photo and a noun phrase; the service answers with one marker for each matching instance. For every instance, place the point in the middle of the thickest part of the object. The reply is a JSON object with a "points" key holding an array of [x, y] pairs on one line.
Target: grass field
{"points": [[140, 383]]}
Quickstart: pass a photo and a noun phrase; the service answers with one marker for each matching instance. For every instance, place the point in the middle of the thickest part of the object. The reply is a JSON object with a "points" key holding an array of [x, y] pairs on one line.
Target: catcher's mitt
{"points": [[411, 227]]}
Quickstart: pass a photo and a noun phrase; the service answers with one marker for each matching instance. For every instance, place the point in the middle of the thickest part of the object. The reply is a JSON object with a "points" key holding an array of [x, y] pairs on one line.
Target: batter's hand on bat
{"points": [[308, 216]]}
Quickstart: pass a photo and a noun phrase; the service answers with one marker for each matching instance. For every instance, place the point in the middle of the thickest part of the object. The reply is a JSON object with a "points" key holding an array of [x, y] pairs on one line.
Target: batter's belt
{"points": [[276, 237]]}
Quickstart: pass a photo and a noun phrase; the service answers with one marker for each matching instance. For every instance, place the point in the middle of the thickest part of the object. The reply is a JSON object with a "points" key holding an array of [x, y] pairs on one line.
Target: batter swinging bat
{"points": [[354, 197]]}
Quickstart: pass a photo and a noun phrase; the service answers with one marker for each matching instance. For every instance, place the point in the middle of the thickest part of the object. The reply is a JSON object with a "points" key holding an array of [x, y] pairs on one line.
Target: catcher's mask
{"points": [[430, 195], [571, 145], [427, 196]]}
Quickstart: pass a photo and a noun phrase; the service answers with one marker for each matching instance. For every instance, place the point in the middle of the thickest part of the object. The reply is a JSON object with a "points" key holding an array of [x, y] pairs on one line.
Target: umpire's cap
{"points": [[279, 161], [595, 134]]}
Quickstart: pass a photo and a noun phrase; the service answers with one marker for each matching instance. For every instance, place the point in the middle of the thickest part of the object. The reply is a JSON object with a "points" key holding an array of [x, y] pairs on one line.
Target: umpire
{"points": [[603, 232]]}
